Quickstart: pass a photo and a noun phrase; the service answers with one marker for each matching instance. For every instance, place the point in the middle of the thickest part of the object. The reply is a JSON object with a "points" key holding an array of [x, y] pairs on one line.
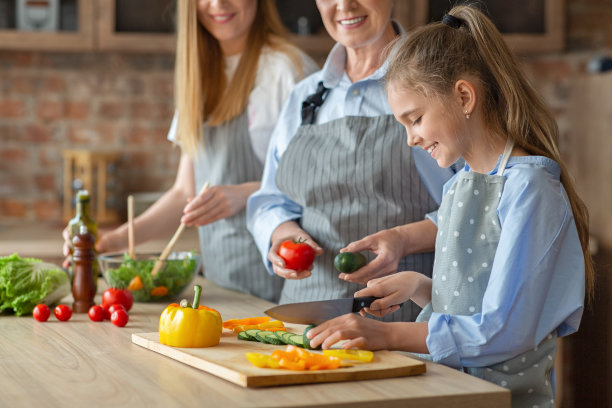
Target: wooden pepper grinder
{"points": [[83, 286]]}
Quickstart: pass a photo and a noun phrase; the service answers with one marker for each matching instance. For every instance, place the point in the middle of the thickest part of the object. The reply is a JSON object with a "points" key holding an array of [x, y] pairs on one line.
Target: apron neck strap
{"points": [[505, 156]]}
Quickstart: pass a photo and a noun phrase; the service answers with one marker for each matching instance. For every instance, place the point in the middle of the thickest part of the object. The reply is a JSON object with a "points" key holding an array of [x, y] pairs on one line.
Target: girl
{"points": [[234, 69], [511, 260]]}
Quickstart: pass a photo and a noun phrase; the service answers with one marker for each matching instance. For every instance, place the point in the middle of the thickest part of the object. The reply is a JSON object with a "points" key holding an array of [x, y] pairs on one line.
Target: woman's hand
{"points": [[389, 249], [395, 289], [289, 230], [390, 246], [216, 203], [369, 334]]}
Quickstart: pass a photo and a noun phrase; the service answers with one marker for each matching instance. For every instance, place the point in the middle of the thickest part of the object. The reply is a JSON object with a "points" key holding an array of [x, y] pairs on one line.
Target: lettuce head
{"points": [[26, 282]]}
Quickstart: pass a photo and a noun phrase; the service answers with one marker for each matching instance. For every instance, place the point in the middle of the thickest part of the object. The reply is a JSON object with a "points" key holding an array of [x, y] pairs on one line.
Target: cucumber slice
{"points": [[296, 340], [251, 333], [244, 336], [281, 334], [268, 337], [306, 341], [286, 336]]}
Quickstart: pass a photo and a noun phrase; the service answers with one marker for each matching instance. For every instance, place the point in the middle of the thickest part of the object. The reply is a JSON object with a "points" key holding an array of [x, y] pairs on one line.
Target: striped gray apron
{"points": [[468, 235], [229, 254], [353, 176]]}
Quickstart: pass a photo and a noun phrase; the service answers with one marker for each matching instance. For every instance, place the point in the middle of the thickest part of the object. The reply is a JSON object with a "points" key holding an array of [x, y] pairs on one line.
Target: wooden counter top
{"points": [[81, 363]]}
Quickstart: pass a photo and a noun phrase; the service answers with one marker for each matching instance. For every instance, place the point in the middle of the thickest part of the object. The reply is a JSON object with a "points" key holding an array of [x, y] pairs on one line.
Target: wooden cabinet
{"points": [[96, 28], [78, 38]]}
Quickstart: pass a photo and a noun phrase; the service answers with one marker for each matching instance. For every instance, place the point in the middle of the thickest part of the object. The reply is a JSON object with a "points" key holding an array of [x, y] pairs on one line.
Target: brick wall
{"points": [[55, 101]]}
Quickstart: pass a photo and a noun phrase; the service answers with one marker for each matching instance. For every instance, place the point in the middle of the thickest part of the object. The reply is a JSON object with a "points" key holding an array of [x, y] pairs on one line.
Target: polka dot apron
{"points": [[468, 235]]}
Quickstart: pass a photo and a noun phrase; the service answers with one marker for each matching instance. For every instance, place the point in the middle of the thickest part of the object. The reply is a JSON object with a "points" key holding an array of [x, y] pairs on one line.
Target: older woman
{"points": [[338, 167]]}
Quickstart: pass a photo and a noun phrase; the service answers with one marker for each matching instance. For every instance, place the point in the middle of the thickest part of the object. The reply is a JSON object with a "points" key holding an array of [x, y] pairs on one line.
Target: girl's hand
{"points": [[360, 332], [290, 230], [216, 203], [389, 249], [394, 290]]}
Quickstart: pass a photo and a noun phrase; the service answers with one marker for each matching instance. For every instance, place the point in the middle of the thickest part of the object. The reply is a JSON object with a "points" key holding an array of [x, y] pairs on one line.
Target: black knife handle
{"points": [[361, 302]]}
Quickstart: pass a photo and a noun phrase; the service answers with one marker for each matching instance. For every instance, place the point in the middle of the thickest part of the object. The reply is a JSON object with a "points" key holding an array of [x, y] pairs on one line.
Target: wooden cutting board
{"points": [[228, 361]]}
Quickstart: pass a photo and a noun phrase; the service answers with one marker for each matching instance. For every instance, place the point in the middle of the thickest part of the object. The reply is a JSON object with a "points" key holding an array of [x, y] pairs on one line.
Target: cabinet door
{"points": [[528, 26], [74, 28], [136, 25]]}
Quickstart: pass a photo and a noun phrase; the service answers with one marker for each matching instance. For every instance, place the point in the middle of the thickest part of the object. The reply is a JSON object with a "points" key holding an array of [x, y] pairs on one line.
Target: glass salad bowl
{"points": [[176, 273]]}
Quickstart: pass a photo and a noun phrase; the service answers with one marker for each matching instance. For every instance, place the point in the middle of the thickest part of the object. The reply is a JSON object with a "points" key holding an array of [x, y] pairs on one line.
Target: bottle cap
{"points": [[83, 195]]}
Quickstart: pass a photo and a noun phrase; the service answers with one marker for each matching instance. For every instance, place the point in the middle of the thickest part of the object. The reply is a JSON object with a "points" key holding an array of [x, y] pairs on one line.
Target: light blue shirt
{"points": [[537, 278], [269, 207]]}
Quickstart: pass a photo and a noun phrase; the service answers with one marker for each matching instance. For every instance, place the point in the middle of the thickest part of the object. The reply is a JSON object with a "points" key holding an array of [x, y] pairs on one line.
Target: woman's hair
{"points": [[202, 92], [431, 59]]}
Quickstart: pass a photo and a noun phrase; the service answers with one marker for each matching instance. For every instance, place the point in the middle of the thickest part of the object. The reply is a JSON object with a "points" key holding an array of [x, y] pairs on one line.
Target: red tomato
{"points": [[110, 309], [119, 317], [298, 255], [62, 312], [41, 312], [96, 313], [115, 295]]}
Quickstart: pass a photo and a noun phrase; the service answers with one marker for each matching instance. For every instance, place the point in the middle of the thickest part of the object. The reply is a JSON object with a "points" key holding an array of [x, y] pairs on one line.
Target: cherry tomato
{"points": [[110, 309], [298, 255], [119, 317], [96, 313], [62, 312], [41, 312], [116, 295]]}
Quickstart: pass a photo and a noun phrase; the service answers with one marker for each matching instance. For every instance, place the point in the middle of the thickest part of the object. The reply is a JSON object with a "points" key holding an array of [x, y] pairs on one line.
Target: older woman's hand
{"points": [[390, 246], [290, 230]]}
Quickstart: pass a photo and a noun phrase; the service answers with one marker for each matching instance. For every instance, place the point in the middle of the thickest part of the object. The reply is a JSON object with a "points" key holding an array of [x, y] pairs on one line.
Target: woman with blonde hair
{"points": [[512, 264], [234, 68]]}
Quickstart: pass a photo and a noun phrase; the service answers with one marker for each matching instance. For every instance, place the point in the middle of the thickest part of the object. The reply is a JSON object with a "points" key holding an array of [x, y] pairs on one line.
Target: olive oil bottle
{"points": [[83, 217]]}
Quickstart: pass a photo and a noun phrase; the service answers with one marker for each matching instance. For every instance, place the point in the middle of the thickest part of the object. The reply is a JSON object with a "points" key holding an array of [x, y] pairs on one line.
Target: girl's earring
{"points": [[467, 114]]}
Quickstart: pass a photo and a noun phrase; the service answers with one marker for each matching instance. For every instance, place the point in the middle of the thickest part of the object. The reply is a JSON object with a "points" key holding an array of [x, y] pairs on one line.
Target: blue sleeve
{"points": [[536, 284]]}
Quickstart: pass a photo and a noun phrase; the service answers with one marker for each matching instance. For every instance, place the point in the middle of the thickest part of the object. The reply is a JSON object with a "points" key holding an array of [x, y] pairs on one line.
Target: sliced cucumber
{"points": [[296, 340], [243, 335], [306, 341], [251, 333], [268, 337], [281, 334], [286, 336]]}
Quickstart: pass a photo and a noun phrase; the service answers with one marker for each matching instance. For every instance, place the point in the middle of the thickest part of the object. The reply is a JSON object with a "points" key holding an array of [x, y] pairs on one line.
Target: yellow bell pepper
{"points": [[187, 325], [364, 356]]}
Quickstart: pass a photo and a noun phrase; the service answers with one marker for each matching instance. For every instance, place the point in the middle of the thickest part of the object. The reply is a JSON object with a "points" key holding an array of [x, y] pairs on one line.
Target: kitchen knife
{"points": [[319, 311]]}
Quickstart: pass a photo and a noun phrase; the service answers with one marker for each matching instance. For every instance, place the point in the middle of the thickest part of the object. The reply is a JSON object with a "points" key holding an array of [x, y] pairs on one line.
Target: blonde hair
{"points": [[430, 60], [202, 92]]}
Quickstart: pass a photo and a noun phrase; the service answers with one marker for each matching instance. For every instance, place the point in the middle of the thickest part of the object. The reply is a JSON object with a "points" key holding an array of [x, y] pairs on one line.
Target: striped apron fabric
{"points": [[468, 235], [229, 254], [353, 176]]}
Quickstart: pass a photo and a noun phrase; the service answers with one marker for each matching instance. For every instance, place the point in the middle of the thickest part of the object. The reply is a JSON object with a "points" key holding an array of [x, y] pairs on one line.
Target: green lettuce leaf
{"points": [[26, 282]]}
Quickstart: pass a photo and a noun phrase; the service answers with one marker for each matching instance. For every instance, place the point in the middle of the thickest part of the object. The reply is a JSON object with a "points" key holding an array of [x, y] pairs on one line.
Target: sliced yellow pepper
{"points": [[294, 358], [352, 354], [187, 325]]}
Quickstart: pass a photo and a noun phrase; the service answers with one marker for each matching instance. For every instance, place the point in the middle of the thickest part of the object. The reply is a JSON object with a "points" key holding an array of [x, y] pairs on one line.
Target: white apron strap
{"points": [[505, 156]]}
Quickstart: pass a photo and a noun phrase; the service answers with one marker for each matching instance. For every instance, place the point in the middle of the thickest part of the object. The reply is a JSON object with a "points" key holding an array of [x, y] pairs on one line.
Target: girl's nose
{"points": [[412, 139]]}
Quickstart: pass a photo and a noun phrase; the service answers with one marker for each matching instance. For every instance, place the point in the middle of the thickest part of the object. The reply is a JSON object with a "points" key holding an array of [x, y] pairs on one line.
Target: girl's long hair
{"points": [[432, 58], [202, 92]]}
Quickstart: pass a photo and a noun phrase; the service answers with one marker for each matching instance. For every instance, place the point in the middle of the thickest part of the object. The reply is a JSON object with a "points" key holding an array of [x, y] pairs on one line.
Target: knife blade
{"points": [[318, 311]]}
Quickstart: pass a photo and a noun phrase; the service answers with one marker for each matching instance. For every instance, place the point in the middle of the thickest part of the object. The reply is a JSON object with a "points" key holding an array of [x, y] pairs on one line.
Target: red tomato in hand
{"points": [[41, 312], [115, 295], [298, 255], [62, 312], [96, 313], [119, 317]]}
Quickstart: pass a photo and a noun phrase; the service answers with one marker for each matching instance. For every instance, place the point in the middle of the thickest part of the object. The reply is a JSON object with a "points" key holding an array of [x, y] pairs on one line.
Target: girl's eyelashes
{"points": [[417, 121]]}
